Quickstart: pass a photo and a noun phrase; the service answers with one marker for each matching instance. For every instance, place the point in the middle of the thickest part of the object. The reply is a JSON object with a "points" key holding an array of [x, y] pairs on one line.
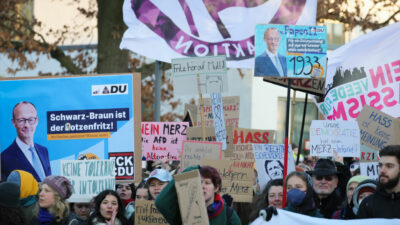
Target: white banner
{"points": [[366, 71], [163, 30], [285, 217]]}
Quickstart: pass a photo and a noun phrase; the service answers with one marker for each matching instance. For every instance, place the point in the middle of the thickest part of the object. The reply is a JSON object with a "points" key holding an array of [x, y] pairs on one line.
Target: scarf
{"points": [[216, 207], [126, 202], [45, 217], [307, 205]]}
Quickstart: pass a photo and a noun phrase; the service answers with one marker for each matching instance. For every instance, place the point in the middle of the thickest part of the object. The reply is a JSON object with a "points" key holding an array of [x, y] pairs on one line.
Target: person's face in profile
{"points": [[272, 38], [274, 170], [25, 121]]}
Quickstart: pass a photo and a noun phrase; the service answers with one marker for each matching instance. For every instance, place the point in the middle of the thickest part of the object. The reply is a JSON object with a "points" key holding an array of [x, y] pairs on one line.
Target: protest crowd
{"points": [[321, 188], [103, 165]]}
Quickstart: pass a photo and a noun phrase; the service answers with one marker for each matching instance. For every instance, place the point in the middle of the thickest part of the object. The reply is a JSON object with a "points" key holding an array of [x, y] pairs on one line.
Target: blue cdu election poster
{"points": [[48, 119]]}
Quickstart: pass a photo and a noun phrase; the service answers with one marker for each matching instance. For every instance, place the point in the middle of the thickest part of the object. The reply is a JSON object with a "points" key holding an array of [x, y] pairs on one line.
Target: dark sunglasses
{"points": [[327, 178]]}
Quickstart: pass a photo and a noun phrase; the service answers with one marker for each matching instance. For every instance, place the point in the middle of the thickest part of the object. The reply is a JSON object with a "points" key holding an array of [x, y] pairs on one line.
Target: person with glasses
{"points": [[325, 182], [24, 153], [271, 63]]}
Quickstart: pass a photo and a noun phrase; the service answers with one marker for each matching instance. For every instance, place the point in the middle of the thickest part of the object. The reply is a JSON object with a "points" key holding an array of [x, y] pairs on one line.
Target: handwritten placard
{"points": [[146, 213], [241, 152], [247, 136], [231, 107], [191, 200], [88, 177], [211, 70], [368, 154], [327, 136], [270, 162], [237, 177], [163, 139], [195, 134], [218, 116], [370, 169], [195, 151], [378, 129]]}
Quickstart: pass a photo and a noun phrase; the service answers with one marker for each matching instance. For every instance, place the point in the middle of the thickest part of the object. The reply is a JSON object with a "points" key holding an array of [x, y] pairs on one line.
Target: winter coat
{"points": [[64, 221], [74, 219], [327, 206], [167, 204], [380, 205]]}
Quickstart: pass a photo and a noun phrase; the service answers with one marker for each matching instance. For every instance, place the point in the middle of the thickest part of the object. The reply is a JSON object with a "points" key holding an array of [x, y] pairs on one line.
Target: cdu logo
{"points": [[110, 89]]}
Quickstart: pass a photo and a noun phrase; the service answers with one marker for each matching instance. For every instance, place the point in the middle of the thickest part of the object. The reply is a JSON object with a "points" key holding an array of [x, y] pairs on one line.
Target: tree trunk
{"points": [[110, 59]]}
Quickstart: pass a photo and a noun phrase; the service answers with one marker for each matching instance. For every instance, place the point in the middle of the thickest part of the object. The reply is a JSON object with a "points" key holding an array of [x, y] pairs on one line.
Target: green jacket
{"points": [[167, 204]]}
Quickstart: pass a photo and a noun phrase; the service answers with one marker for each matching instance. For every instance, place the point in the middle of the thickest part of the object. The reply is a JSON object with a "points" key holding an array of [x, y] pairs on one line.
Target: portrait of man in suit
{"points": [[271, 63], [24, 153]]}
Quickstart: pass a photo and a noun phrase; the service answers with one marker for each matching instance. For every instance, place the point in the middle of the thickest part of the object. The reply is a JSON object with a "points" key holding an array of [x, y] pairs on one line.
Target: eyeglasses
{"points": [[327, 178], [22, 121]]}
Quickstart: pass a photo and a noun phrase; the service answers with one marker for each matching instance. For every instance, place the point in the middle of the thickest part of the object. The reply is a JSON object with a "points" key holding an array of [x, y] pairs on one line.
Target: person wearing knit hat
{"points": [[28, 190], [347, 212], [363, 190], [52, 207], [10, 211]]}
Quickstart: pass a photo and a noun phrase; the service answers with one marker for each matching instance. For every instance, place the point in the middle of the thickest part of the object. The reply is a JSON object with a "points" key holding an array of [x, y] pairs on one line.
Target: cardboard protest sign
{"points": [[124, 165], [246, 136], [237, 177], [370, 169], [191, 200], [231, 106], [290, 51], [88, 177], [195, 151], [194, 134], [314, 86], [91, 115], [378, 129], [328, 137], [270, 161], [211, 70], [241, 152], [146, 213], [163, 139], [218, 116]]}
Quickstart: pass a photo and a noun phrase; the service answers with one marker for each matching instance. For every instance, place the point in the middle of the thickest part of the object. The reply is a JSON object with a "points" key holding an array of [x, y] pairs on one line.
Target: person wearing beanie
{"points": [[52, 208], [29, 188], [363, 190], [347, 212], [10, 210]]}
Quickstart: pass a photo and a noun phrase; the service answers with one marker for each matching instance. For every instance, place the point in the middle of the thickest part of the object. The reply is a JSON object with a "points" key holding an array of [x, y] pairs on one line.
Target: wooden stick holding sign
{"points": [[203, 129], [191, 200]]}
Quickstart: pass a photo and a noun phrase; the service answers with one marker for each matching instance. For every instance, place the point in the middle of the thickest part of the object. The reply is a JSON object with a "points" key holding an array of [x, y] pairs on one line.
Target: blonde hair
{"points": [[59, 209]]}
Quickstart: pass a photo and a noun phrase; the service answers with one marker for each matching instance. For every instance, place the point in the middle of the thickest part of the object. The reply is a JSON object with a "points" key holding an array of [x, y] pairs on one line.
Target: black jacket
{"points": [[380, 205], [327, 206]]}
